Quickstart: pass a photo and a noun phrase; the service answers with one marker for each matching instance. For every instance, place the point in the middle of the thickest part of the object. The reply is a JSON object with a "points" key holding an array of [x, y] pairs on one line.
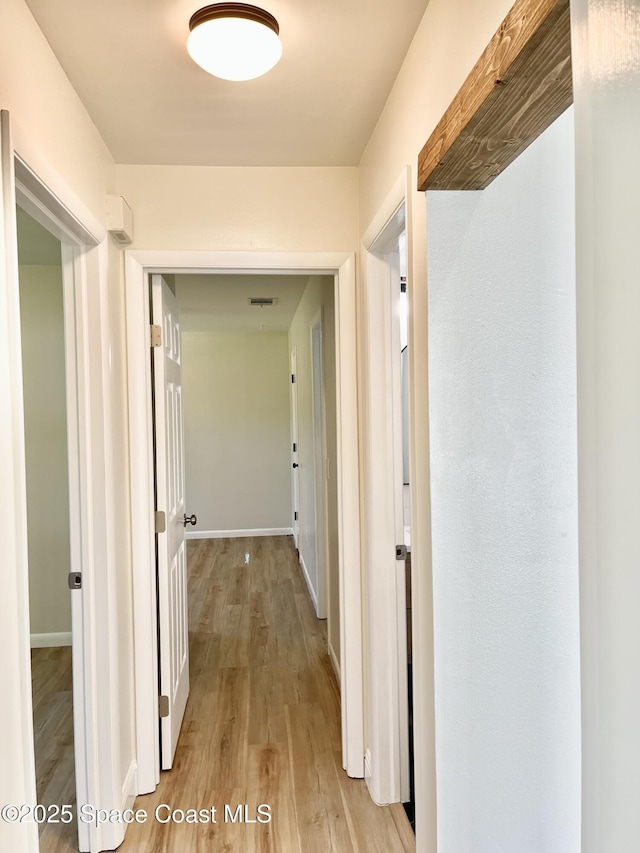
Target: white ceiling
{"points": [[219, 303], [128, 62]]}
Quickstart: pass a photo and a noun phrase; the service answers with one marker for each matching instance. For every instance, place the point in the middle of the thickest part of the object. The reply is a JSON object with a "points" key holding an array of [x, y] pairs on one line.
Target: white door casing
{"points": [[171, 545], [16, 722], [387, 709], [319, 464], [394, 265], [295, 471], [138, 263]]}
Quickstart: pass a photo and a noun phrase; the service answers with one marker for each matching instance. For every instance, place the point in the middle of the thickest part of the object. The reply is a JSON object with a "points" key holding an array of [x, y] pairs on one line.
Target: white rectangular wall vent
{"points": [[119, 220]]}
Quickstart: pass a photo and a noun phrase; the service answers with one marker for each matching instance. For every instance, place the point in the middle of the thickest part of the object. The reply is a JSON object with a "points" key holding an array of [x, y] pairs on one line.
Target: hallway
{"points": [[262, 724]]}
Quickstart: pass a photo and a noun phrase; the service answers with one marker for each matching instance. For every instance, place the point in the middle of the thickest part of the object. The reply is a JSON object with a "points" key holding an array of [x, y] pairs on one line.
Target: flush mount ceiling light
{"points": [[234, 41]]}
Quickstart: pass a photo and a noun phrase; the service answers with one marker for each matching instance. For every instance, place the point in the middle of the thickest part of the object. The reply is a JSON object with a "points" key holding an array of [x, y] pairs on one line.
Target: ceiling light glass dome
{"points": [[234, 41]]}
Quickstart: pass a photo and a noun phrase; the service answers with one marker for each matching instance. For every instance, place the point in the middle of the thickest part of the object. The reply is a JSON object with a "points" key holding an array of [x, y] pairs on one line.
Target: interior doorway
{"points": [[387, 464], [95, 666], [44, 371], [148, 757]]}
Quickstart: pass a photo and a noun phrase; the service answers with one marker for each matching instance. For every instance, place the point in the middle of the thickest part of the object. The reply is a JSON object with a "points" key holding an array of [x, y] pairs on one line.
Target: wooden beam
{"points": [[519, 86]]}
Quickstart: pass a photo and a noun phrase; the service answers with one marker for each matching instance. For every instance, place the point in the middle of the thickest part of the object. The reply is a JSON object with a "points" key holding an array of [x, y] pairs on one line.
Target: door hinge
{"points": [[75, 580], [295, 447], [403, 284], [295, 516], [293, 378], [156, 336], [401, 552], [161, 521], [163, 706]]}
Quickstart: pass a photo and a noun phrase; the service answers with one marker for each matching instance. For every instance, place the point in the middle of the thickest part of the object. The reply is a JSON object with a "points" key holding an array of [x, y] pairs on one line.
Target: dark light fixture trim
{"points": [[233, 10]]}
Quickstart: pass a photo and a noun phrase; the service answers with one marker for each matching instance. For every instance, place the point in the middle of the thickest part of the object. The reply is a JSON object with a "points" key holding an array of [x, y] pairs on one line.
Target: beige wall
{"points": [[447, 44], [318, 293], [45, 415], [236, 424], [252, 209], [46, 112]]}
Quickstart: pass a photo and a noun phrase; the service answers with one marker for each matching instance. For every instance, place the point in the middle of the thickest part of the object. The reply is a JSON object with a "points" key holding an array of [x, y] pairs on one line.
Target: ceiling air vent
{"points": [[262, 301]]}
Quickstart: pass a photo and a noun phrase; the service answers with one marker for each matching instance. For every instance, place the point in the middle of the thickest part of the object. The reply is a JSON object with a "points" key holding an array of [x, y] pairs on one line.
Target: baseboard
{"points": [[239, 534], [130, 786], [48, 641], [367, 765], [334, 662], [312, 591]]}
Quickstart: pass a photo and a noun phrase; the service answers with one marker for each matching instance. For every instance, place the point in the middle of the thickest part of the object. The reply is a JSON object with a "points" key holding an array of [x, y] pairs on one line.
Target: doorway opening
{"points": [[44, 371], [94, 667], [222, 442], [186, 272], [408, 770], [387, 506]]}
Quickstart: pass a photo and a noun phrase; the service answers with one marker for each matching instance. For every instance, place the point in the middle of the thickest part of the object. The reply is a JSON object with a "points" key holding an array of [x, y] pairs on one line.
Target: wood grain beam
{"points": [[519, 86]]}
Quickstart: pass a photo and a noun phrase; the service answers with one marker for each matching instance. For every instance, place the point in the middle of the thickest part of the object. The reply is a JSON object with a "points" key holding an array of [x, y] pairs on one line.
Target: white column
{"points": [[606, 57], [504, 507]]}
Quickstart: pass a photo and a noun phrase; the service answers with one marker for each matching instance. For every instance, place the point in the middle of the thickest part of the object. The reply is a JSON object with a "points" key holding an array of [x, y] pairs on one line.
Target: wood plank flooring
{"points": [[262, 724], [53, 728]]}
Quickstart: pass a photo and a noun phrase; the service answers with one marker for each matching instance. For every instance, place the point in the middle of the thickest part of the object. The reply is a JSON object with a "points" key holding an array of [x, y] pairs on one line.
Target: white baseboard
{"points": [[312, 591], [130, 786], [367, 766], [334, 661], [239, 534], [48, 641]]}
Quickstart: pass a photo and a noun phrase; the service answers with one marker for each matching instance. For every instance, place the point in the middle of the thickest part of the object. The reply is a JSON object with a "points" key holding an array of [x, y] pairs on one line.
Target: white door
{"points": [[172, 555], [295, 478]]}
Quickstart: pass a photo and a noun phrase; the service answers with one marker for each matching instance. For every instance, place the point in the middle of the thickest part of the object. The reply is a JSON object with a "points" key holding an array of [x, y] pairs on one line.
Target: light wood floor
{"points": [[53, 727], [262, 723]]}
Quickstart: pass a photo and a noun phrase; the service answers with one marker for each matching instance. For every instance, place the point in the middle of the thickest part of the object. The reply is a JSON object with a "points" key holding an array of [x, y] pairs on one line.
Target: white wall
{"points": [[606, 54], [45, 414], [236, 423], [504, 506]]}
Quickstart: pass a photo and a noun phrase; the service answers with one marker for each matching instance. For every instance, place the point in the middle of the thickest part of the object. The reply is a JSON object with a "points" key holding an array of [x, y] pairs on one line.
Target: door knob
{"points": [[295, 464], [190, 519]]}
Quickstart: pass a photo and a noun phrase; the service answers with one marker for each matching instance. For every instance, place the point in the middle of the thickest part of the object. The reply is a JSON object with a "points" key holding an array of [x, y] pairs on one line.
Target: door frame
{"points": [[41, 193], [320, 476], [138, 264], [386, 749], [295, 440]]}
